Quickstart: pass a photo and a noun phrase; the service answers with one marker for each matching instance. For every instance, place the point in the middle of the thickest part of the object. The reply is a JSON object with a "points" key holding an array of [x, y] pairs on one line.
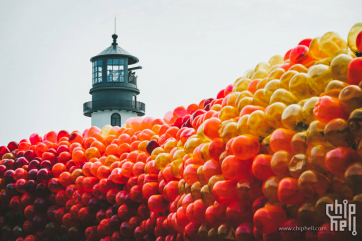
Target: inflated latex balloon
{"points": [[260, 74], [234, 168], [352, 36], [286, 77], [315, 49], [338, 133], [284, 96], [351, 97], [354, 74], [228, 112], [288, 192], [299, 87], [270, 87], [260, 99], [353, 177], [359, 41], [311, 182], [241, 85], [281, 140], [245, 147], [258, 124], [307, 109], [331, 42], [318, 77], [325, 104], [339, 159], [300, 55], [268, 219], [354, 122], [292, 118], [339, 67], [297, 165]]}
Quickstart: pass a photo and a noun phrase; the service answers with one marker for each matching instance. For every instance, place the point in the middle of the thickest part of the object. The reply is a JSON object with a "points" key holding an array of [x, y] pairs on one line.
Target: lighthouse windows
{"points": [[115, 70], [97, 71], [116, 119]]}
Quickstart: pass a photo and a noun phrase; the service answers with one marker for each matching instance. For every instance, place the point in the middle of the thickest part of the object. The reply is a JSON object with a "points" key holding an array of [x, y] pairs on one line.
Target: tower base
{"points": [[102, 118]]}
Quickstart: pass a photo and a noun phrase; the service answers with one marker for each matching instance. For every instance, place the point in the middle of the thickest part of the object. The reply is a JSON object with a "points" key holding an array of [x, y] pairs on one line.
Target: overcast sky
{"points": [[188, 49]]}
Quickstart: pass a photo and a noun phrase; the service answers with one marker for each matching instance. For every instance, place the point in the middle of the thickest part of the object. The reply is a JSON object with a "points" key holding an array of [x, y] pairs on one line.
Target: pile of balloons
{"points": [[269, 152]]}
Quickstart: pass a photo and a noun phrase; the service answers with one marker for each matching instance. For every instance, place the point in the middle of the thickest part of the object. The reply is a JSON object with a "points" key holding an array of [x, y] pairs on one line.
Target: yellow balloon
{"points": [[339, 67], [286, 77], [299, 86], [232, 99], [331, 42], [244, 102], [200, 175], [156, 152], [260, 99], [258, 124], [271, 87], [170, 144], [241, 95], [308, 107], [276, 74], [275, 60], [105, 131], [299, 68], [216, 107], [241, 85], [318, 77], [334, 88], [315, 134], [352, 35], [201, 135], [275, 67], [284, 96], [260, 74], [262, 66], [274, 113], [162, 160], [230, 131], [292, 118], [190, 146], [248, 73], [325, 61], [228, 112], [315, 49], [262, 84], [242, 125]]}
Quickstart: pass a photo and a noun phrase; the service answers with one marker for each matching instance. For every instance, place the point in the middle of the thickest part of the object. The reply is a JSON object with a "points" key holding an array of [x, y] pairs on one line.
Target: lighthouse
{"points": [[114, 88]]}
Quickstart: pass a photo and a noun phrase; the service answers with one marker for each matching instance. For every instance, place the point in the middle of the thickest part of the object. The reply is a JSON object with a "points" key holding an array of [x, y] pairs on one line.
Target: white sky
{"points": [[188, 49]]}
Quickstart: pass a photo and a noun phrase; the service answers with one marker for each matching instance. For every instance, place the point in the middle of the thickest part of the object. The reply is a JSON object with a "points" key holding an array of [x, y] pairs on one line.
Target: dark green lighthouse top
{"points": [[114, 49]]}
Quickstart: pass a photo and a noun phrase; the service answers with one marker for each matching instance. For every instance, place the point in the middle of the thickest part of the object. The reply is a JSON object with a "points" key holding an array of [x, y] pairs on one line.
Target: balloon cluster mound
{"points": [[259, 162]]}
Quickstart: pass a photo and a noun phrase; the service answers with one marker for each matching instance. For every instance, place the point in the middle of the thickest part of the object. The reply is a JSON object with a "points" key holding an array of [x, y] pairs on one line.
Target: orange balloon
{"points": [[58, 169], [124, 148], [211, 128], [112, 150], [281, 139], [322, 109], [190, 174], [100, 146], [245, 146], [234, 168]]}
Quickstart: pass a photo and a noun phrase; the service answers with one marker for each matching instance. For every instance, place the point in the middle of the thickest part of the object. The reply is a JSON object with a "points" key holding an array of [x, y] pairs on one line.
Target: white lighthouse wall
{"points": [[102, 118]]}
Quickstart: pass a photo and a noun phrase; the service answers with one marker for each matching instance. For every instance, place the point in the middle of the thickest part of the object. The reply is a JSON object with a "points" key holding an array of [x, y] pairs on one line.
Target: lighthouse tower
{"points": [[114, 88]]}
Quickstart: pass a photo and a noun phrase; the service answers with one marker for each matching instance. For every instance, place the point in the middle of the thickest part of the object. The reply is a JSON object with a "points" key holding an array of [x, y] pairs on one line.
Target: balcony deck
{"points": [[101, 105]]}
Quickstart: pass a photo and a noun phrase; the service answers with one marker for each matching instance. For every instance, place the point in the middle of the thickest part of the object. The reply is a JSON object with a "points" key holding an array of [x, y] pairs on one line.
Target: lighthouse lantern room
{"points": [[114, 88]]}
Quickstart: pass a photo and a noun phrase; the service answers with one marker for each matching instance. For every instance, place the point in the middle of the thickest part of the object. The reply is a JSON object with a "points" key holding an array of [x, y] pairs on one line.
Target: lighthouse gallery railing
{"points": [[128, 105]]}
